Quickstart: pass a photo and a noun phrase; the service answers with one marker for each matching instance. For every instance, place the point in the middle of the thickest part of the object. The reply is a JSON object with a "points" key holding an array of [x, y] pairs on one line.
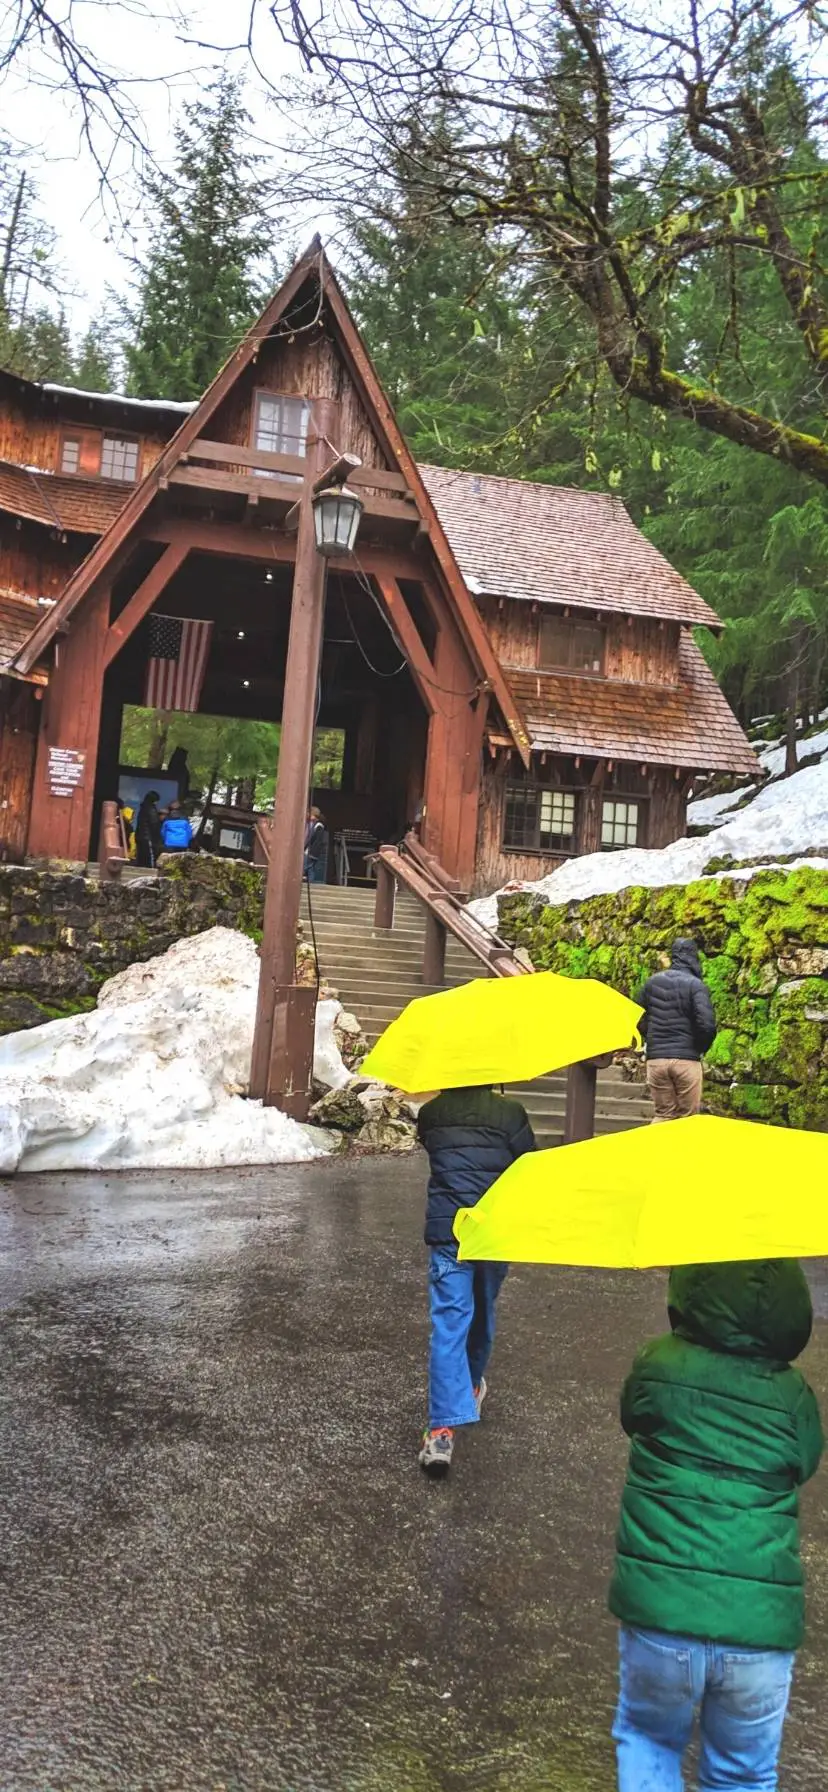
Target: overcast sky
{"points": [[167, 71]]}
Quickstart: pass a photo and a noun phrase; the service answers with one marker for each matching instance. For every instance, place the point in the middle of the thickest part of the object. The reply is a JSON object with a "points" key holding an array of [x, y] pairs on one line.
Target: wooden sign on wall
{"points": [[66, 769]]}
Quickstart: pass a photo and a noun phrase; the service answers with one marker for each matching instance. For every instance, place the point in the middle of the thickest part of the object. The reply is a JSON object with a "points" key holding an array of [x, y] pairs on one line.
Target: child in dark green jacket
{"points": [[708, 1580]]}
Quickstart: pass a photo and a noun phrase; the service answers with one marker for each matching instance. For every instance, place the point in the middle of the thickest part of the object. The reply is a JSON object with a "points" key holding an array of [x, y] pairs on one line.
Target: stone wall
{"points": [[764, 947], [62, 934]]}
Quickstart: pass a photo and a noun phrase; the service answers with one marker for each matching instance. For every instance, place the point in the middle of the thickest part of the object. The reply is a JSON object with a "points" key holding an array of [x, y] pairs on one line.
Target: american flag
{"points": [[178, 649]]}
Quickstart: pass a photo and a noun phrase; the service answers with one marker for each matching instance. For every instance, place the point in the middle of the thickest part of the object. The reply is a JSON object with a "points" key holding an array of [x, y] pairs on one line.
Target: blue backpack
{"points": [[176, 833]]}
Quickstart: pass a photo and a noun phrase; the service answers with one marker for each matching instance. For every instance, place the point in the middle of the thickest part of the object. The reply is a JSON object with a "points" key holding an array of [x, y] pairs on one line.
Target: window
{"points": [[119, 459], [70, 456], [281, 423], [539, 820], [619, 825], [571, 646]]}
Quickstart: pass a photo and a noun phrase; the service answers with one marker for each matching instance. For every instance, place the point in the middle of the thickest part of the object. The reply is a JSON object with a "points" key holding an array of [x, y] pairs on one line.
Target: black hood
{"points": [[748, 1309], [685, 957]]}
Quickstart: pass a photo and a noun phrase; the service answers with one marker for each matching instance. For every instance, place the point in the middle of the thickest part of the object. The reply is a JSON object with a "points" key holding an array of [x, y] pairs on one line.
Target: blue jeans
{"points": [[316, 871], [462, 1298], [742, 1695]]}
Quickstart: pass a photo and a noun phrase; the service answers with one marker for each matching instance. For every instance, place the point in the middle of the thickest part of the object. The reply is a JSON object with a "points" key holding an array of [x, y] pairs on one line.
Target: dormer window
{"points": [[281, 423], [93, 454], [566, 646], [119, 459]]}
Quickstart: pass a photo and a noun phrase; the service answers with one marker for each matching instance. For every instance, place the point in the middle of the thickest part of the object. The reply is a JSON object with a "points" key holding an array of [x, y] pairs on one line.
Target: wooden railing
{"points": [[254, 473], [112, 846], [445, 911]]}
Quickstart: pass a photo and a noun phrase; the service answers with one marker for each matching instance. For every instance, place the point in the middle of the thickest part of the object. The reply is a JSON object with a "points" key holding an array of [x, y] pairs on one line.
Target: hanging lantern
{"points": [[336, 514]]}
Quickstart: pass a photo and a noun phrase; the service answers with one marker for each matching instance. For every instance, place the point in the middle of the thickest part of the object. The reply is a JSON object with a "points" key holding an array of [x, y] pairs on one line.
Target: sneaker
{"points": [[435, 1455], [480, 1393]]}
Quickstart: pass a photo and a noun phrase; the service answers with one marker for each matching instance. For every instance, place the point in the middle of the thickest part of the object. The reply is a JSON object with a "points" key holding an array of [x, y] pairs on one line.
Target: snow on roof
{"points": [[152, 404], [784, 819]]}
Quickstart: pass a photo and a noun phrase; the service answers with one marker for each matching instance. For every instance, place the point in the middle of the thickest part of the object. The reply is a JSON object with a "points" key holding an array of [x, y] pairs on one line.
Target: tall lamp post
{"points": [[282, 1064]]}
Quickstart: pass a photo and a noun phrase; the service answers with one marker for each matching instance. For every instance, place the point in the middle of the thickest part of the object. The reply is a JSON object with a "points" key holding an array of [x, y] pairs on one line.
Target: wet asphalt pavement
{"points": [[220, 1567]]}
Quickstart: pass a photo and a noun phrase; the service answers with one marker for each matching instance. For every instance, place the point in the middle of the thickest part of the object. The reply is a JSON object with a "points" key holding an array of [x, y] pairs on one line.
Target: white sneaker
{"points": [[435, 1455]]}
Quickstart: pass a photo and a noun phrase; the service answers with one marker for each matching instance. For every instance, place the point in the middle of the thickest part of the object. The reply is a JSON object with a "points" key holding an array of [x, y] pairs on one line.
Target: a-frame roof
{"points": [[314, 262]]}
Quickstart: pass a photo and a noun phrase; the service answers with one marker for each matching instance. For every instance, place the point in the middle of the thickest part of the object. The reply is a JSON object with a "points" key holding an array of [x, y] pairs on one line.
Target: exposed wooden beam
{"points": [[235, 542], [410, 640], [280, 492], [142, 600]]}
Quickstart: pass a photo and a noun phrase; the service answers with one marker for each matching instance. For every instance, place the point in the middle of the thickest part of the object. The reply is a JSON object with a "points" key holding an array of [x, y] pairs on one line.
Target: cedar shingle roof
{"points": [[79, 506], [18, 615], [553, 544], [689, 724]]}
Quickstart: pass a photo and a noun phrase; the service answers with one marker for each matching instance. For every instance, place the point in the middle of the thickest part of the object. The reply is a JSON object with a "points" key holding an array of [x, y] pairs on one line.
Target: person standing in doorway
{"points": [[316, 848], [678, 1027], [148, 830]]}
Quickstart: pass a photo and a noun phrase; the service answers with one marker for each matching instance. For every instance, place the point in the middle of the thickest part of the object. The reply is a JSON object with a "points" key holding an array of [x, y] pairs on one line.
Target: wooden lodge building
{"points": [[515, 658]]}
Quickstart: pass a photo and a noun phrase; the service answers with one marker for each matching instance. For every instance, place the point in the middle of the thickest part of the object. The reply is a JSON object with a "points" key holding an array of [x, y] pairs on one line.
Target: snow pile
{"points": [[154, 1077], [713, 811], [772, 757], [784, 819]]}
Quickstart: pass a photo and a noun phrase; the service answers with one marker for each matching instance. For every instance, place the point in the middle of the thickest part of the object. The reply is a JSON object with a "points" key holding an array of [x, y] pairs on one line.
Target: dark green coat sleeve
{"points": [[637, 1413], [810, 1435]]}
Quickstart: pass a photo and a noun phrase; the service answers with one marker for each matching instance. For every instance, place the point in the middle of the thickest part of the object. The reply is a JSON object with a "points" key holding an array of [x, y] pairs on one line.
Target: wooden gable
{"points": [[306, 337]]}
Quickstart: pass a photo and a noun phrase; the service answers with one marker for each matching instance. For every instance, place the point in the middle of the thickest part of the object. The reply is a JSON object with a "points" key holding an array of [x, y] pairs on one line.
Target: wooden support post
{"points": [[283, 1037], [434, 955], [581, 1087], [60, 824], [291, 1052], [386, 896]]}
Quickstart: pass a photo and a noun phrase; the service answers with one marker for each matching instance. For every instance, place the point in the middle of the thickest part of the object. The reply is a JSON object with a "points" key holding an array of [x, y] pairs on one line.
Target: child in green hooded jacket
{"points": [[708, 1581]]}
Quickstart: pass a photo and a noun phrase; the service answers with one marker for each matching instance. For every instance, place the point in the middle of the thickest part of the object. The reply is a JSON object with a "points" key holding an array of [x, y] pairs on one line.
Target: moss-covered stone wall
{"points": [[62, 934], [764, 947]]}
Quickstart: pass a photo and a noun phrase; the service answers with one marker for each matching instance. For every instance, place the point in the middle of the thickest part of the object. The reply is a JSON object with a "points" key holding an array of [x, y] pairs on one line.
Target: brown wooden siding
{"points": [[38, 441], [34, 562], [664, 818], [307, 367], [20, 712], [639, 650]]}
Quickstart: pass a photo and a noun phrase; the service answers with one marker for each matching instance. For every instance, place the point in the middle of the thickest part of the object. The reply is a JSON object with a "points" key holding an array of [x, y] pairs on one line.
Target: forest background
{"points": [[545, 301]]}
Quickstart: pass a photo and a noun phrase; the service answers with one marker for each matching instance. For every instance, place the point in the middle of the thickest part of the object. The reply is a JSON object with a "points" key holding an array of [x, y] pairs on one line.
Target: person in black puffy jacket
{"points": [[471, 1136], [678, 1027]]}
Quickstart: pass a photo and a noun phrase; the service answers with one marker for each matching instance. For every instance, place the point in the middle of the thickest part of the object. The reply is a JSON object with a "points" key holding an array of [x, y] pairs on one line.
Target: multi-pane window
{"points": [[70, 455], [281, 423], [620, 823], [119, 459], [538, 819], [570, 646]]}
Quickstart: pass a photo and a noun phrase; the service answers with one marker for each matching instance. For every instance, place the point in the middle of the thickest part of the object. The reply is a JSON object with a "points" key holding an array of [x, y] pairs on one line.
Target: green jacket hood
{"points": [[760, 1309]]}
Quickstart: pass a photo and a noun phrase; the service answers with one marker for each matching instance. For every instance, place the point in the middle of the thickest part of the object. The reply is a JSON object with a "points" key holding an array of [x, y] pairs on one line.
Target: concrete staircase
{"points": [[377, 973]]}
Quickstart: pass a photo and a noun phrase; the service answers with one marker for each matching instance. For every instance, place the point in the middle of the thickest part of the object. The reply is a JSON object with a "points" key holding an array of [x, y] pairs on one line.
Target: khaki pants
{"points": [[675, 1085]]}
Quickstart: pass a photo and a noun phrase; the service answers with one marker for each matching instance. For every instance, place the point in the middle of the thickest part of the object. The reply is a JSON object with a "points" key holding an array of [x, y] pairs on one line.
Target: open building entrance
{"points": [[372, 726]]}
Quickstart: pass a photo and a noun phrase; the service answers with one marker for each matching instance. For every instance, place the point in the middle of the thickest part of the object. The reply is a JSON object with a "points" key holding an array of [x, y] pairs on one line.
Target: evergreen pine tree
{"points": [[199, 285], [96, 362], [39, 347]]}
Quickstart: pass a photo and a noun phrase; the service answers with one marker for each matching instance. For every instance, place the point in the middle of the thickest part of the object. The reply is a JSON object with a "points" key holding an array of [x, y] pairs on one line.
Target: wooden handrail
{"points": [[112, 847], [238, 454], [262, 835], [446, 910]]}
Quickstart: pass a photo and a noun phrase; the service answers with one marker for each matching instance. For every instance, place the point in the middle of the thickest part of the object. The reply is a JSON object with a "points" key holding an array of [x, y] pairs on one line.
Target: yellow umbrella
{"points": [[501, 1029], [702, 1190]]}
